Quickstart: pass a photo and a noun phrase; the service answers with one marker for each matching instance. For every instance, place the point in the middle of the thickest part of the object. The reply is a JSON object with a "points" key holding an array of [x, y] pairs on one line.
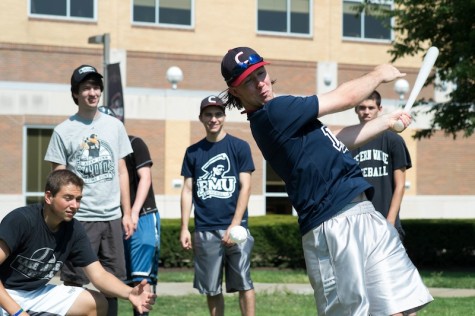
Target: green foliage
{"points": [[278, 244], [448, 25], [440, 243], [172, 255]]}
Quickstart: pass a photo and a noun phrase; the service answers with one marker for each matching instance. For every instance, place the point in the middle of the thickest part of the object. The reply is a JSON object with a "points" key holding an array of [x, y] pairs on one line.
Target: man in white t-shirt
{"points": [[94, 145]]}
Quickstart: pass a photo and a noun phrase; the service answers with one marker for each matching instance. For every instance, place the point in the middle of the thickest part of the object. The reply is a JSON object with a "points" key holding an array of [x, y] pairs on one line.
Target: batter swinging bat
{"points": [[427, 64]]}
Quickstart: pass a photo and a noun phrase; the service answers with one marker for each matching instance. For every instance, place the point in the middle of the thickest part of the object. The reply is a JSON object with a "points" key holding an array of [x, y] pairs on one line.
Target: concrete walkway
{"points": [[186, 288]]}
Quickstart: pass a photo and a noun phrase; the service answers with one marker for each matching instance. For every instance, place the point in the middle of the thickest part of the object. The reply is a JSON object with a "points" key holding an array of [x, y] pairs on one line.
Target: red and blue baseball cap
{"points": [[238, 63]]}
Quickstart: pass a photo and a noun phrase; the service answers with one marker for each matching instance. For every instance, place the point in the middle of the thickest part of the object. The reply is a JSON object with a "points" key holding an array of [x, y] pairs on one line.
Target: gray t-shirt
{"points": [[92, 149]]}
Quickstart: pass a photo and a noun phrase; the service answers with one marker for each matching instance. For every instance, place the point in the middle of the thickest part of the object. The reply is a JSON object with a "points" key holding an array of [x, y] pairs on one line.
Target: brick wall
{"points": [[44, 64], [153, 134], [446, 166]]}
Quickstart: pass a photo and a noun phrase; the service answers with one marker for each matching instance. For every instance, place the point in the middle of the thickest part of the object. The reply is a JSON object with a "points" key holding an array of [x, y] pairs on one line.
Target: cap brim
{"points": [[210, 104], [82, 77], [94, 74], [247, 72]]}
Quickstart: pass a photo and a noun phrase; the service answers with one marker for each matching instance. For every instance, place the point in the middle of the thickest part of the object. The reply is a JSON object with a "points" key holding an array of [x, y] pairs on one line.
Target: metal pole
{"points": [[106, 43]]}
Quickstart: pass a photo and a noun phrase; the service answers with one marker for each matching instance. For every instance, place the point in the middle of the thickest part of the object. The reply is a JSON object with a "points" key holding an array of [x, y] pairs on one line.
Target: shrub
{"points": [[440, 243], [429, 243]]}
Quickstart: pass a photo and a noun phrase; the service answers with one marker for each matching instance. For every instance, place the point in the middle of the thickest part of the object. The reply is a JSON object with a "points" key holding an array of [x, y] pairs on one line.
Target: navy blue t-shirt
{"points": [[320, 174], [215, 169], [37, 253]]}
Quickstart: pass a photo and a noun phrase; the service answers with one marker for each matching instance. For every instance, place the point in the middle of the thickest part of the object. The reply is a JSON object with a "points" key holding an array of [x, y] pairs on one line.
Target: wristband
{"points": [[19, 312]]}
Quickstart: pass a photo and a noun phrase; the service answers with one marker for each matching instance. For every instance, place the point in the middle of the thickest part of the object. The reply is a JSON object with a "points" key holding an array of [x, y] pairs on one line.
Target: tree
{"points": [[448, 25]]}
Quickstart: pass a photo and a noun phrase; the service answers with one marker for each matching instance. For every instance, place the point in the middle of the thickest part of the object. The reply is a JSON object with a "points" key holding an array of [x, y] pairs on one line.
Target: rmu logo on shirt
{"points": [[95, 160], [214, 183]]}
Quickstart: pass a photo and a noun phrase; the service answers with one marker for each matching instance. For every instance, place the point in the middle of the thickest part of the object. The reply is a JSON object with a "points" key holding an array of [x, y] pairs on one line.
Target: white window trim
{"points": [[271, 194], [164, 25], [26, 193], [287, 34], [66, 17], [369, 40]]}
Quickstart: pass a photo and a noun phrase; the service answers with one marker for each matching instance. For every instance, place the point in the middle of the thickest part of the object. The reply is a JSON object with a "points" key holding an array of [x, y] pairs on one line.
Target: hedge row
{"points": [[440, 243], [429, 243]]}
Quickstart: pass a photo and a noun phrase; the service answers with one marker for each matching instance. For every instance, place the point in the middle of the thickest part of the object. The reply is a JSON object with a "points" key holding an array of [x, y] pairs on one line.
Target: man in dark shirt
{"points": [[36, 240]]}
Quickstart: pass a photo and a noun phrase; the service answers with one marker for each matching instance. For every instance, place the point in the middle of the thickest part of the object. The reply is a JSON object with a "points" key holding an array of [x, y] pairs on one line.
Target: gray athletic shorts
{"points": [[357, 265], [210, 256], [47, 300], [107, 241]]}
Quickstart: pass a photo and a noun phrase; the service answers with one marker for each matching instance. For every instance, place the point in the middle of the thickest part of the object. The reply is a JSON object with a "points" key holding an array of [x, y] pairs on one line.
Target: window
{"points": [[82, 9], [163, 12], [37, 169], [284, 16], [277, 200], [369, 24]]}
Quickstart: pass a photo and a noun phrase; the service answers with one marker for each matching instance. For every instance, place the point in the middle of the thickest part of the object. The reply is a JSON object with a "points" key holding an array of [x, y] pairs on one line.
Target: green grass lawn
{"points": [[432, 278], [283, 304], [294, 304]]}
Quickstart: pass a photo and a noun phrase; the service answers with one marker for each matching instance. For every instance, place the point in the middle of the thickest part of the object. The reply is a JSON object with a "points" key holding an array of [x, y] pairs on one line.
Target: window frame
{"points": [[65, 17], [163, 25], [362, 23], [25, 172], [272, 194], [288, 13]]}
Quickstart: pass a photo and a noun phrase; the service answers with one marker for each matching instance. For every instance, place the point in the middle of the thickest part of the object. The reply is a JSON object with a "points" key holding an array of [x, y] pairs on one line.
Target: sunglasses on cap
{"points": [[241, 66], [252, 60]]}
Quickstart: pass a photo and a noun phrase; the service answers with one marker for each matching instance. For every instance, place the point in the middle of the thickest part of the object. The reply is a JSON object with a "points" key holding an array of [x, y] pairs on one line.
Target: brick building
{"points": [[312, 45]]}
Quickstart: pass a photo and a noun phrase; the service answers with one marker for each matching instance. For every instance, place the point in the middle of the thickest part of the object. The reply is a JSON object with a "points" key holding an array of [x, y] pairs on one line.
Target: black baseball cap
{"points": [[238, 63], [212, 100], [83, 71]]}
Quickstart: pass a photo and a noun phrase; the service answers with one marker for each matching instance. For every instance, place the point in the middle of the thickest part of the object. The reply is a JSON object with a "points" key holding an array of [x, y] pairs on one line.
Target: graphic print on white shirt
{"points": [[214, 183], [95, 160]]}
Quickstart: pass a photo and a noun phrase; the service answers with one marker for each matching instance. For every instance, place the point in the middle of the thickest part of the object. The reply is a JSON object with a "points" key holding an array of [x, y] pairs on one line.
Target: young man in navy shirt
{"points": [[217, 182], [355, 260]]}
